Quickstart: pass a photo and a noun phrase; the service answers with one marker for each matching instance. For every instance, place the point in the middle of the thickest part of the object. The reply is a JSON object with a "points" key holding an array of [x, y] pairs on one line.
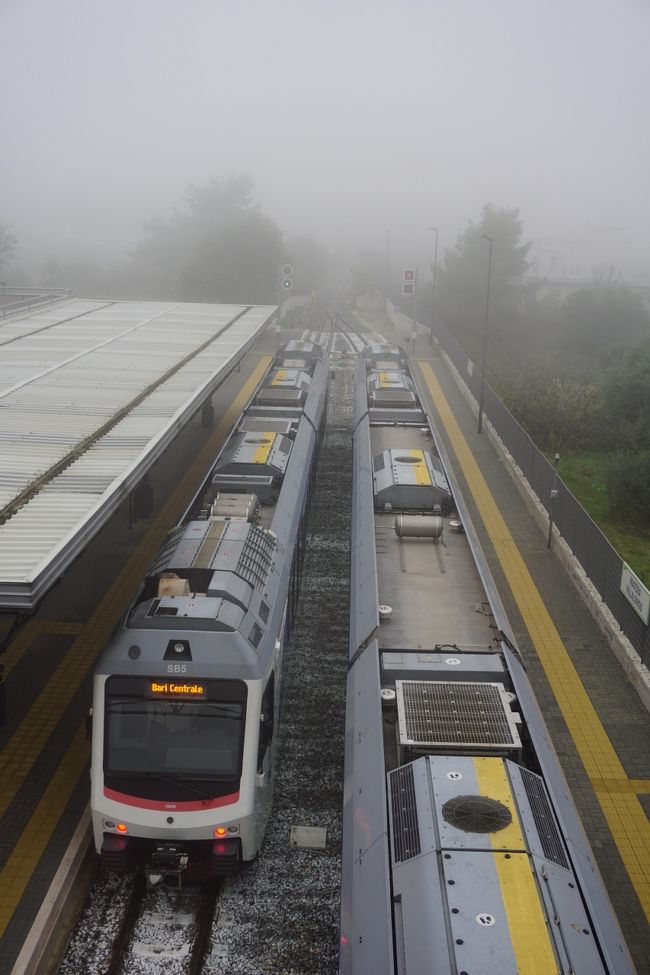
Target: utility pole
{"points": [[434, 270], [549, 540], [386, 269], [485, 330]]}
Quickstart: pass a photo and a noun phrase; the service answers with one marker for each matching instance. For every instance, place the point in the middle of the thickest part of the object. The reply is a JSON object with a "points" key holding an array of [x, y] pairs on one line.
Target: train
{"points": [[463, 853], [186, 695]]}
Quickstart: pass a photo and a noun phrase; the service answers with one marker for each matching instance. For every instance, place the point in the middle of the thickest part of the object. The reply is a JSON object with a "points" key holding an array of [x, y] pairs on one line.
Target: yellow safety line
{"points": [[261, 454], [29, 738], [279, 377], [639, 787], [493, 781], [625, 816], [23, 641], [527, 927], [420, 469], [33, 841]]}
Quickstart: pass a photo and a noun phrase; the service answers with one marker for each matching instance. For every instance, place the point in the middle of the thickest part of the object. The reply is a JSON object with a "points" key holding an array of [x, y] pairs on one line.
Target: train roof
{"points": [[218, 586]]}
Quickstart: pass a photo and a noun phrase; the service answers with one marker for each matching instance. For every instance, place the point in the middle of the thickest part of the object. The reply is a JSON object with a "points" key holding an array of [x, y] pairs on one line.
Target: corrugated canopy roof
{"points": [[91, 393]]}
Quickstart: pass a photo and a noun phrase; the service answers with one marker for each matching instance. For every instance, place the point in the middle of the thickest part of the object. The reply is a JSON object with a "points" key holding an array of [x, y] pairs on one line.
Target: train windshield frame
{"points": [[199, 738]]}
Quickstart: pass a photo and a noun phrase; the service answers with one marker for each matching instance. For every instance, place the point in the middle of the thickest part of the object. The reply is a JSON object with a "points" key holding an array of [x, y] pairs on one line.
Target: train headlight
{"points": [[122, 828], [221, 831]]}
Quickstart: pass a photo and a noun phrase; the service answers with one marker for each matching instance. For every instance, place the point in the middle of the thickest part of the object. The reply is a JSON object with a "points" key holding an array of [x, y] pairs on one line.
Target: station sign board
{"points": [[170, 688], [635, 593]]}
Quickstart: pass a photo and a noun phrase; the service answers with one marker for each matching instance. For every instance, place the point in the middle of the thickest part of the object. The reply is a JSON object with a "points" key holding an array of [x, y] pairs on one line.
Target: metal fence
{"points": [[600, 561]]}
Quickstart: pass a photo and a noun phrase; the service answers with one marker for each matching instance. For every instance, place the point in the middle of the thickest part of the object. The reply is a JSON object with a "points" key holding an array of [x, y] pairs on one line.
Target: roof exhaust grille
{"points": [[256, 557], [549, 835], [406, 830], [455, 717]]}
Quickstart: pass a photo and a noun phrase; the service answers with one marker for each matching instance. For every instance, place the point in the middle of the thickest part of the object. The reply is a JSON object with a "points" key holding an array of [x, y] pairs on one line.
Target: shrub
{"points": [[628, 486]]}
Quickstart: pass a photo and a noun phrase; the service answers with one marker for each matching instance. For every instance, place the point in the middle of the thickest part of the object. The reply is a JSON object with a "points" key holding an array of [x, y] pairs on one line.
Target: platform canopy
{"points": [[91, 394]]}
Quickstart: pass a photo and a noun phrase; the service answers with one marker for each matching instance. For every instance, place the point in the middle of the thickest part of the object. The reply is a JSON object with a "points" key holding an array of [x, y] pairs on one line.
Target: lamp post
{"points": [[434, 271], [386, 269], [549, 540], [485, 328]]}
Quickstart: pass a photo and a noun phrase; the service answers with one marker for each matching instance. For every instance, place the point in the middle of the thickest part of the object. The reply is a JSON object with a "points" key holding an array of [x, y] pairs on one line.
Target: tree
{"points": [[463, 277], [605, 314], [367, 275], [559, 408], [312, 263], [219, 247], [627, 398], [238, 265], [7, 245]]}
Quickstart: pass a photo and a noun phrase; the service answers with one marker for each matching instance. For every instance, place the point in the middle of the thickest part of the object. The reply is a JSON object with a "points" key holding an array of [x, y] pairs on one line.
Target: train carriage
{"points": [[186, 696], [463, 853]]}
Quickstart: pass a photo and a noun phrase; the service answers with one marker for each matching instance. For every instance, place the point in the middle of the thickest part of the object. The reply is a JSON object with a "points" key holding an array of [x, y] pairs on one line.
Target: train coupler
{"points": [[167, 865]]}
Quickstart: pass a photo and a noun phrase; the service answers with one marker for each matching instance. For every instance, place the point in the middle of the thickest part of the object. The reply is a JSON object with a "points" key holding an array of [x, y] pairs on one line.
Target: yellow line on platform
{"points": [[30, 737], [625, 816], [33, 841], [23, 641]]}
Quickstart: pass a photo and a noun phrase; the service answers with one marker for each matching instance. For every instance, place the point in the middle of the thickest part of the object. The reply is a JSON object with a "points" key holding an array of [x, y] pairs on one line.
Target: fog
{"points": [[351, 116]]}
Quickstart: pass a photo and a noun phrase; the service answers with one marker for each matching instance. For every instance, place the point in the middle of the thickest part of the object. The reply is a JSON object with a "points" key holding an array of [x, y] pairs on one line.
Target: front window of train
{"points": [[157, 735]]}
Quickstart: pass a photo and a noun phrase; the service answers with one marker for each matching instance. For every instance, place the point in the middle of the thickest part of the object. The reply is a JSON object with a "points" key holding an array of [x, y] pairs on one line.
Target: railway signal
{"points": [[286, 274], [408, 281]]}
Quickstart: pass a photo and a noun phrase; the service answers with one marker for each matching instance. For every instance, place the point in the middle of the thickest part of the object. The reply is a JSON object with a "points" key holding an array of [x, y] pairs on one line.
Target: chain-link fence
{"points": [[600, 561]]}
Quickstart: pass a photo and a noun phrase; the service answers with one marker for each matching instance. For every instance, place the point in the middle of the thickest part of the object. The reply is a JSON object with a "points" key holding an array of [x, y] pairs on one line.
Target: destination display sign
{"points": [[170, 688], [635, 592]]}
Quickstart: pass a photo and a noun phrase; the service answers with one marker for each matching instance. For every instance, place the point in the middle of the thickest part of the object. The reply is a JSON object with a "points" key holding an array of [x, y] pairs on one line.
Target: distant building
{"points": [[576, 261]]}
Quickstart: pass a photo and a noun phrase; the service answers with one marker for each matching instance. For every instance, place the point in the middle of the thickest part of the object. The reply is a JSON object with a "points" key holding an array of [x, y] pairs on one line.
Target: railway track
{"points": [[127, 929], [339, 336], [165, 926]]}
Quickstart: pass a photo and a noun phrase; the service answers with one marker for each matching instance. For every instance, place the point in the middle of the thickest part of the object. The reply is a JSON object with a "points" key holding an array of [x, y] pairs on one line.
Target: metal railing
{"points": [[601, 562], [29, 298]]}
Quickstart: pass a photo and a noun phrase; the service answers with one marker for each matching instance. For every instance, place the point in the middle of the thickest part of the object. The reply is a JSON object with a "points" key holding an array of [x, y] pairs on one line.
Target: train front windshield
{"points": [[169, 736]]}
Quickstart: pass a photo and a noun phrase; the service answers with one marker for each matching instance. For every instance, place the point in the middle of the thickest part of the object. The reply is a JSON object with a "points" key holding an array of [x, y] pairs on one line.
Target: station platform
{"points": [[598, 724], [44, 753]]}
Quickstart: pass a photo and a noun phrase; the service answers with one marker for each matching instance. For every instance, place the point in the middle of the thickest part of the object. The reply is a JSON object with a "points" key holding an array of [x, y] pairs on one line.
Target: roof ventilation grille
{"points": [[476, 814], [406, 829], [455, 717], [256, 557], [549, 835], [255, 635]]}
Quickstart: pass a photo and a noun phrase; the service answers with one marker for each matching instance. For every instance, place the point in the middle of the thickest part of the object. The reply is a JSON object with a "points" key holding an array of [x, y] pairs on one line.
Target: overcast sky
{"points": [[350, 115]]}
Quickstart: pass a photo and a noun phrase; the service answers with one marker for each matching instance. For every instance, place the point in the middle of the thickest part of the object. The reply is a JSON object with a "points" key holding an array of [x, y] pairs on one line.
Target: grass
{"points": [[584, 474]]}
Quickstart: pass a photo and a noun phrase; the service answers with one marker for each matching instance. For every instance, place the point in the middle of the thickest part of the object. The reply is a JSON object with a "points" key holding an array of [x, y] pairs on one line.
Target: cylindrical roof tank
{"points": [[418, 526]]}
